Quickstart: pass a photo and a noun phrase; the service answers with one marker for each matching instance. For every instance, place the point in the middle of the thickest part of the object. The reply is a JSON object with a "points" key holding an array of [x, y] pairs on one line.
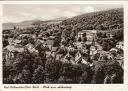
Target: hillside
{"points": [[102, 20]]}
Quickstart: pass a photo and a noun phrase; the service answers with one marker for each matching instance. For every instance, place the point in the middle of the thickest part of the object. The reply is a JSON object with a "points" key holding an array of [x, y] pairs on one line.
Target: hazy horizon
{"points": [[14, 13]]}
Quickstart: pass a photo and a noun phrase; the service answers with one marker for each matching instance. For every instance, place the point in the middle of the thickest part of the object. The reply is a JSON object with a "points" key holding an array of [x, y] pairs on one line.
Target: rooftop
{"points": [[13, 48], [54, 49], [92, 31], [49, 42]]}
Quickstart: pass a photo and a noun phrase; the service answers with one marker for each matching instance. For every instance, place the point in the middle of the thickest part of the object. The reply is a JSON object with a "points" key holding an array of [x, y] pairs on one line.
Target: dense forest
{"points": [[102, 20]]}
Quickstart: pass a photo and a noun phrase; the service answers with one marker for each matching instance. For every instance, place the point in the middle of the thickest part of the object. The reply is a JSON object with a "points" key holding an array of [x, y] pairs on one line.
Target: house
{"points": [[88, 43], [61, 45], [120, 45], [80, 59], [11, 52], [110, 56], [114, 49], [17, 42], [53, 51], [78, 45], [12, 48], [103, 56], [14, 42], [31, 48], [71, 48], [98, 64], [84, 50], [48, 53], [99, 47], [78, 56], [59, 56], [120, 60], [90, 34], [49, 44], [21, 36], [68, 59], [52, 37], [109, 34], [80, 33], [10, 41], [62, 50], [93, 50]]}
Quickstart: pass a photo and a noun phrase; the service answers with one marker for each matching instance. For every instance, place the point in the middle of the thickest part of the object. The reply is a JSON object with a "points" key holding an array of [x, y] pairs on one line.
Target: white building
{"points": [[10, 51], [80, 59], [90, 34], [120, 45]]}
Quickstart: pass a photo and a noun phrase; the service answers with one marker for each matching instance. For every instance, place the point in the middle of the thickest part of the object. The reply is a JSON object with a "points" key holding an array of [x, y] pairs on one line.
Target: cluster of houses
{"points": [[78, 52]]}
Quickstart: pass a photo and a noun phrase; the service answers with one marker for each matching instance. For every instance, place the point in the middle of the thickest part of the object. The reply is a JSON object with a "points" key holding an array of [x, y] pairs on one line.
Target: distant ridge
{"points": [[29, 23]]}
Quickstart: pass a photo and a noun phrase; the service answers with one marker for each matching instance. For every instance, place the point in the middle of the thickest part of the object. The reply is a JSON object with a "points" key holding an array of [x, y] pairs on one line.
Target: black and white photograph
{"points": [[63, 44]]}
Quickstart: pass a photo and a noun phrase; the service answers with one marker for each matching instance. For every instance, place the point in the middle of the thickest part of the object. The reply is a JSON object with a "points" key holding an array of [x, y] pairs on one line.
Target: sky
{"points": [[23, 12]]}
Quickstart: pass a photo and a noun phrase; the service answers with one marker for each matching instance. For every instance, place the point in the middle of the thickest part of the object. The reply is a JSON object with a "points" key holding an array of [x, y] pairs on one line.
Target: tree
{"points": [[76, 73], [5, 42], [66, 70], [72, 36], [115, 71], [106, 46], [52, 69], [64, 42], [79, 39], [99, 74], [39, 75], [119, 35], [31, 40], [84, 39], [26, 75], [6, 73], [84, 35], [104, 35], [108, 72], [24, 42], [56, 42], [99, 34]]}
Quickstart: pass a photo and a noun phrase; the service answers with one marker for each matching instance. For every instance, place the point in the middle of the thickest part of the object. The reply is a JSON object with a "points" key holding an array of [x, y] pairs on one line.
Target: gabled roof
{"points": [[120, 42], [114, 49], [65, 58], [78, 56], [52, 37], [49, 42], [17, 41], [119, 57], [99, 64], [54, 49], [62, 50], [91, 31], [31, 47], [13, 48], [88, 42], [103, 52]]}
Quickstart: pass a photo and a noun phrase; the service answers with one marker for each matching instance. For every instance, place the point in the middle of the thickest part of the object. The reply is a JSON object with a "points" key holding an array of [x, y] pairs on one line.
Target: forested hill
{"points": [[101, 20]]}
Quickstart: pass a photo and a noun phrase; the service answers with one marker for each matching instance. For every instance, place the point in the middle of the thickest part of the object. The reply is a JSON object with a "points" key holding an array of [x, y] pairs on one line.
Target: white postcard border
{"points": [[81, 87]]}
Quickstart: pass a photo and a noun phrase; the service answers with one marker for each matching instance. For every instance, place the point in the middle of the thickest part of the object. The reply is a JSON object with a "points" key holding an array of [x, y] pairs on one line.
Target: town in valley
{"points": [[84, 49]]}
